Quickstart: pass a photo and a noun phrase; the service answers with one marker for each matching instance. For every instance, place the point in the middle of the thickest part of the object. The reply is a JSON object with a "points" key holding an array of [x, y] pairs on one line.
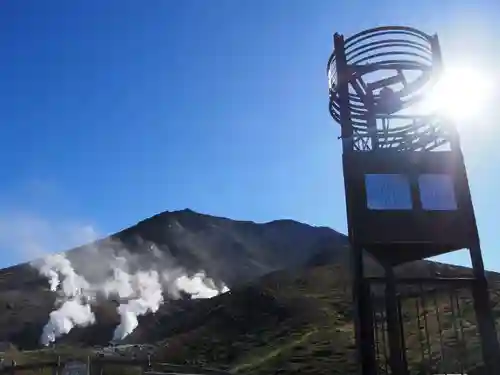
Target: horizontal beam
{"points": [[425, 280], [165, 368]]}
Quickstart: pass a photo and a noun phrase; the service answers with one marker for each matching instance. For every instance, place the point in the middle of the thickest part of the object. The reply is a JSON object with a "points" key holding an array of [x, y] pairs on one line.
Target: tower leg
{"points": [[396, 358], [363, 315], [484, 314]]}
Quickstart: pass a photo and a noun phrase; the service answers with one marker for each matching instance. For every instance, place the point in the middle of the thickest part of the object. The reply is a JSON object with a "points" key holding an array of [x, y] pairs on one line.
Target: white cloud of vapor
{"points": [[72, 313], [139, 291], [140, 280], [148, 299], [105, 269], [198, 286]]}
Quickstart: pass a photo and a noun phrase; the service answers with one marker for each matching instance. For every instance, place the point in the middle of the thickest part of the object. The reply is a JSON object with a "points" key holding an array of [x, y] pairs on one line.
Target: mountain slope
{"points": [[295, 322], [289, 310], [301, 322], [256, 328], [233, 252]]}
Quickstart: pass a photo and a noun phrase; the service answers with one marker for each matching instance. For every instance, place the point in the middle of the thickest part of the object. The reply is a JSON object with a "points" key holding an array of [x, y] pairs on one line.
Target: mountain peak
{"points": [[230, 252]]}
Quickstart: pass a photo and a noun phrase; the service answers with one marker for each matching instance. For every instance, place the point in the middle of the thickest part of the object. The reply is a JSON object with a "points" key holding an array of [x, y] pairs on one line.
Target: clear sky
{"points": [[112, 111]]}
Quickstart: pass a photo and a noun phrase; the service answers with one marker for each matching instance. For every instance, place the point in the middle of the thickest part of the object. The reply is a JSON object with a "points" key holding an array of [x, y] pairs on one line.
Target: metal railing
{"points": [[98, 363]]}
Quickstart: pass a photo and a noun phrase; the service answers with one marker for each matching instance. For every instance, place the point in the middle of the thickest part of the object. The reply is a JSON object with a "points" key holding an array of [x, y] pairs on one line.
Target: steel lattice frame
{"points": [[409, 62]]}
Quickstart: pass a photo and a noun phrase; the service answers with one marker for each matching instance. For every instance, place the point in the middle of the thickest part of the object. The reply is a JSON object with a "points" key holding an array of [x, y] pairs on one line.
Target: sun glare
{"points": [[461, 94]]}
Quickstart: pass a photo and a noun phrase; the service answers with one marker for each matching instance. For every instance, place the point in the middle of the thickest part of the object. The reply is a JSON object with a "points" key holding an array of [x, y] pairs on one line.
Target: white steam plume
{"points": [[142, 290], [105, 269], [73, 292], [58, 269], [72, 313], [149, 297], [197, 287]]}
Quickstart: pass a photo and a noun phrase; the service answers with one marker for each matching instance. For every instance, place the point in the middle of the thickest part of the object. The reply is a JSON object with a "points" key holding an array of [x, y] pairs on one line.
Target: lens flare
{"points": [[461, 94]]}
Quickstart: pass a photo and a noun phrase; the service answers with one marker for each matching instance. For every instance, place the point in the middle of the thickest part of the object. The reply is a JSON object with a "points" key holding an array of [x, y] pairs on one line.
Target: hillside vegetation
{"points": [[289, 310]]}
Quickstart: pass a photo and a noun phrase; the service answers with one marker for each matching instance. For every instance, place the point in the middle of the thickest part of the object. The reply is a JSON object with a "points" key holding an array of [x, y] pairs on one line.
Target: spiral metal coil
{"points": [[404, 59]]}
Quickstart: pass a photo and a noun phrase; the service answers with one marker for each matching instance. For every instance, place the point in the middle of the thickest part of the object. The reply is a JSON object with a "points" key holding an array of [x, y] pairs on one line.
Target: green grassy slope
{"points": [[301, 322]]}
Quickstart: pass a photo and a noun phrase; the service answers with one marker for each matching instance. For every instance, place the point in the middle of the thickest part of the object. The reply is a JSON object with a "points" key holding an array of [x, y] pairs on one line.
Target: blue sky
{"points": [[112, 111]]}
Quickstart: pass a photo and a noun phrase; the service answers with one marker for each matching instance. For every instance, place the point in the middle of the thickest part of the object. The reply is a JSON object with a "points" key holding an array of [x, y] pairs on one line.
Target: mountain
{"points": [[229, 251], [289, 310]]}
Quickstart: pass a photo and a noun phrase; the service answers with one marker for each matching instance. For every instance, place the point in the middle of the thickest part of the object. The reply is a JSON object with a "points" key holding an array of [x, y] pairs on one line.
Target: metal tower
{"points": [[407, 193]]}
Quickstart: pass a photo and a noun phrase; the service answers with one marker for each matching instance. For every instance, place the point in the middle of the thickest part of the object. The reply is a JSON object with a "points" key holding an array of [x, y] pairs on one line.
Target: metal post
{"points": [[361, 289], [401, 329], [371, 120], [484, 316], [393, 325], [363, 315], [343, 76]]}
